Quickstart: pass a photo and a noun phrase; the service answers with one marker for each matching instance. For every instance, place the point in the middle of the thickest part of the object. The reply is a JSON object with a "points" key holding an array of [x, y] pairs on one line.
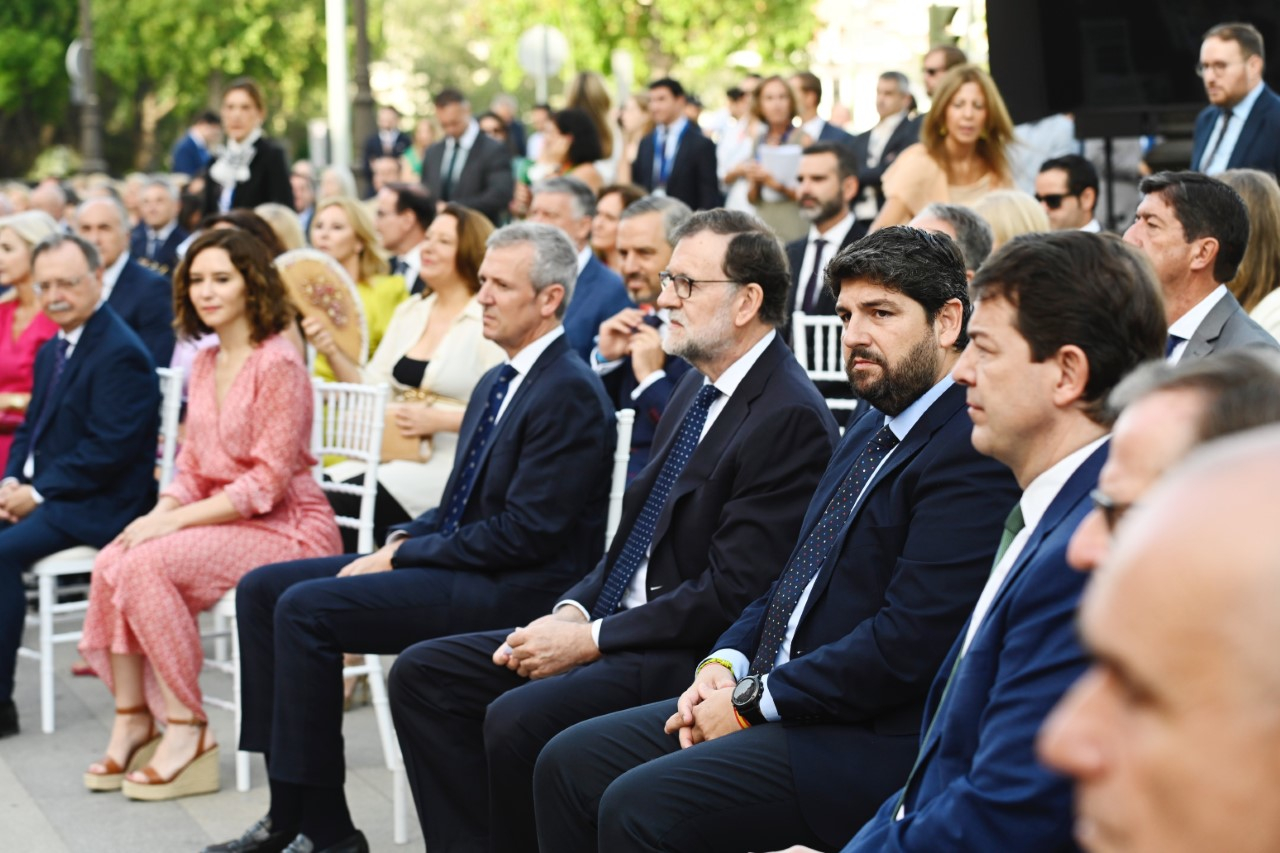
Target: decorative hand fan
{"points": [[319, 287]]}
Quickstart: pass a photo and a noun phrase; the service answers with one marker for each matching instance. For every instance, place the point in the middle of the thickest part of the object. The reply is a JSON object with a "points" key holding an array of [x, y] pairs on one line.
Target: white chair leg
{"points": [[48, 595], [399, 805], [220, 640], [390, 746]]}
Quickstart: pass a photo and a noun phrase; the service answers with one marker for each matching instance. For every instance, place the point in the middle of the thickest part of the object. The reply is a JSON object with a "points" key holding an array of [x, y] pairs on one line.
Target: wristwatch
{"points": [[746, 699]]}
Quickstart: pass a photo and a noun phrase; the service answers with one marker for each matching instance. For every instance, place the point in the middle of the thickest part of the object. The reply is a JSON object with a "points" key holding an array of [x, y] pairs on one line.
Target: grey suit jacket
{"points": [[1227, 326], [486, 182]]}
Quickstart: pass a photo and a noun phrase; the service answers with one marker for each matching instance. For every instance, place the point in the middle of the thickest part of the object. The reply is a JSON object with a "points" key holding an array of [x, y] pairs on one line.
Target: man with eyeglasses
{"points": [[82, 462], [806, 711], [1067, 189], [1241, 127], [938, 62], [738, 453], [1170, 735]]}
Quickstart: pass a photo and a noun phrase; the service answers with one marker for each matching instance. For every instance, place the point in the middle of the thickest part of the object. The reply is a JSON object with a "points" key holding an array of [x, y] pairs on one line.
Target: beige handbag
{"points": [[411, 448]]}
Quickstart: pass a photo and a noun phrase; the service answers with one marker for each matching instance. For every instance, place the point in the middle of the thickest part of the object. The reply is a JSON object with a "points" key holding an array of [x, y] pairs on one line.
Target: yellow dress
{"points": [[379, 296]]}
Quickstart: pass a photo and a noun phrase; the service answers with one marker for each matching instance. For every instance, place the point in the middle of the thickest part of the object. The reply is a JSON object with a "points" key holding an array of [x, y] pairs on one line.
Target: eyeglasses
{"points": [[684, 285], [1053, 201], [1203, 68], [1112, 511], [62, 284], [932, 72]]}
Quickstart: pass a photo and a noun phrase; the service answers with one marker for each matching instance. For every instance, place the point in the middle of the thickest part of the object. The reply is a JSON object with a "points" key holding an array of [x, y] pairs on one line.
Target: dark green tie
{"points": [[1013, 524]]}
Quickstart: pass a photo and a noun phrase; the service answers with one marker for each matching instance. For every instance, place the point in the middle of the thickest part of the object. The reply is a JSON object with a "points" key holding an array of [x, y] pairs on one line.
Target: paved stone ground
{"points": [[44, 807]]}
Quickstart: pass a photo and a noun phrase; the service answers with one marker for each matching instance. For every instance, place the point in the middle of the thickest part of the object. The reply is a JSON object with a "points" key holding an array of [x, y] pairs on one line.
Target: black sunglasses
{"points": [[1053, 201]]}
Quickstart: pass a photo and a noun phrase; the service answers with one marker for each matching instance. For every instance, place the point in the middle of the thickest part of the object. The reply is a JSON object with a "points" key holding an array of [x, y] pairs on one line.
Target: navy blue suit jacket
{"points": [[903, 576], [165, 260], [620, 384], [188, 157], [732, 514], [95, 455], [979, 786], [1258, 146], [373, 150], [831, 133], [598, 294], [693, 177], [144, 300], [535, 517]]}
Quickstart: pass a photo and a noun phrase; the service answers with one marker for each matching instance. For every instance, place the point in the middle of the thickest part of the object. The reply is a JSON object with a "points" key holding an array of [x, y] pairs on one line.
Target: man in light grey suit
{"points": [[1194, 229]]}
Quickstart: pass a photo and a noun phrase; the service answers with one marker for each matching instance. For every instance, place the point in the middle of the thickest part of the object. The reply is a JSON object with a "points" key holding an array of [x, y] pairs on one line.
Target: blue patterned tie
{"points": [[475, 449], [637, 544], [46, 408], [817, 546]]}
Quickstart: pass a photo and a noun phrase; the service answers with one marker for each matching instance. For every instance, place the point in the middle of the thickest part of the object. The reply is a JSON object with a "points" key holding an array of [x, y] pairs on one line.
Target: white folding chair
{"points": [[79, 561], [618, 484], [348, 422], [816, 342]]}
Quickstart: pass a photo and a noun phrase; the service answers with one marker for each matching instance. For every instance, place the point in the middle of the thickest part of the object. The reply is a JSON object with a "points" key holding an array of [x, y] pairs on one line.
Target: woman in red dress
{"points": [[244, 495], [23, 328]]}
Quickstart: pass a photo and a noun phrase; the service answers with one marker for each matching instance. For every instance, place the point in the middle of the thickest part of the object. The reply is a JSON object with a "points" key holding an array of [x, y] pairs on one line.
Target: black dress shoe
{"points": [[258, 838], [8, 719], [351, 844]]}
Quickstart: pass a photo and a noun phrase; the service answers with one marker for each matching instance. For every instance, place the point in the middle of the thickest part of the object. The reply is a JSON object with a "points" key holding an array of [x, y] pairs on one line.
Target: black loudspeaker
{"points": [[1111, 56]]}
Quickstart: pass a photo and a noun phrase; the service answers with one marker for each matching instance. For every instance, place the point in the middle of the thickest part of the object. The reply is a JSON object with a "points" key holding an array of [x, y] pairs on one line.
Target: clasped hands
{"points": [[548, 645], [16, 502], [705, 710], [626, 333]]}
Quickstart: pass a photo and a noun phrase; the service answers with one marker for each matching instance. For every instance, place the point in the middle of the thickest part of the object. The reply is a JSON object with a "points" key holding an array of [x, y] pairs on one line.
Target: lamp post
{"points": [[363, 118], [90, 117]]}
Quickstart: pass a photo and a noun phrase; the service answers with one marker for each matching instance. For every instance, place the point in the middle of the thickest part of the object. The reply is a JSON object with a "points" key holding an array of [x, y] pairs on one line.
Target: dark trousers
{"points": [[21, 545], [295, 621], [470, 731], [618, 783]]}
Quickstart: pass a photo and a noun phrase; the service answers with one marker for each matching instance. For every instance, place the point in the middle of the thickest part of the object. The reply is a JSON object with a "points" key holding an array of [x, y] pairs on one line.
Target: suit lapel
{"points": [[521, 399], [93, 330], [1210, 328], [1252, 127]]}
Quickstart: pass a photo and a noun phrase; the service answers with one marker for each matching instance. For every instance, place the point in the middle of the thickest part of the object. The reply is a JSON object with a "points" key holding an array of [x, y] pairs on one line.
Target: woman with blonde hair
{"points": [[343, 230], [1257, 281], [775, 108], [1011, 213], [285, 223], [962, 154], [23, 326]]}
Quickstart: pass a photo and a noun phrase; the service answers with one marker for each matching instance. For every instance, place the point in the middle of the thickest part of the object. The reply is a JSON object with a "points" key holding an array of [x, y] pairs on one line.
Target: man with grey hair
{"points": [[520, 519], [737, 455], [971, 232], [570, 205], [50, 197], [155, 239], [81, 465], [877, 148], [1170, 734], [638, 374], [142, 297]]}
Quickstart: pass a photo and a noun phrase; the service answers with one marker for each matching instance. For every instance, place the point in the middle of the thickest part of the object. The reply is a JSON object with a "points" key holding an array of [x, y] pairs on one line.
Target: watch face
{"points": [[745, 691]]}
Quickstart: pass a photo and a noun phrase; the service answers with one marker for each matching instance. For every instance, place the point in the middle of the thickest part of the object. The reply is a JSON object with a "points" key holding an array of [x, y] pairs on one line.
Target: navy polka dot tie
{"points": [[637, 544], [817, 546], [475, 449]]}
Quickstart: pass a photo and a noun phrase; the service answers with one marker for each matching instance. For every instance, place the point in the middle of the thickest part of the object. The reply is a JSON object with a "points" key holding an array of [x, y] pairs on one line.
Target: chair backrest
{"points": [[816, 340], [348, 421], [618, 485], [170, 414]]}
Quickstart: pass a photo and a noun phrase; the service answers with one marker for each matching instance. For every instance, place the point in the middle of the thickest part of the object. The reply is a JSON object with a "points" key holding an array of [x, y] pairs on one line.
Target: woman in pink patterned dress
{"points": [[244, 496]]}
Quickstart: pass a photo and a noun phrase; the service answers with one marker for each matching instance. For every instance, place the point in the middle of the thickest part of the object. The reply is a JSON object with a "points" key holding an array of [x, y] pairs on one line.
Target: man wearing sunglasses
{"points": [[1067, 189]]}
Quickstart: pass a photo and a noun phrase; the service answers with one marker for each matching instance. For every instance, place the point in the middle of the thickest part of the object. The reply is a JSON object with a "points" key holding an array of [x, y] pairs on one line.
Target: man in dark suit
{"points": [[806, 713], [142, 297], [676, 159], [155, 239], [808, 89], [702, 530], [876, 149], [402, 214], [520, 518], [191, 152], [467, 166], [387, 141], [1194, 229], [81, 465], [1059, 319], [629, 356], [1241, 127], [570, 205]]}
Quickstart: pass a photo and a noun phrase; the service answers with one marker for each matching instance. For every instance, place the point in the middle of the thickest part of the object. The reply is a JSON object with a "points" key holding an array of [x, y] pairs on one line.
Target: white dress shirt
{"points": [[111, 274], [523, 362], [1186, 326], [835, 239], [636, 594], [1092, 227], [467, 140]]}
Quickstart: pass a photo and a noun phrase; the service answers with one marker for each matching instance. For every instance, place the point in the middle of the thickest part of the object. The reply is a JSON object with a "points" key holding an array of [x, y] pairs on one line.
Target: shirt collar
{"points": [[524, 360], [902, 423], [162, 234], [1044, 488], [736, 372], [1186, 325], [469, 135], [1092, 227], [584, 258], [836, 233], [676, 128], [813, 127], [111, 274], [1242, 109]]}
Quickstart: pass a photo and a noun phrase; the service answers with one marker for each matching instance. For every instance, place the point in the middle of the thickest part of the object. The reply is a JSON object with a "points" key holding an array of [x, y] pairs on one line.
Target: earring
{"points": [[942, 131]]}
